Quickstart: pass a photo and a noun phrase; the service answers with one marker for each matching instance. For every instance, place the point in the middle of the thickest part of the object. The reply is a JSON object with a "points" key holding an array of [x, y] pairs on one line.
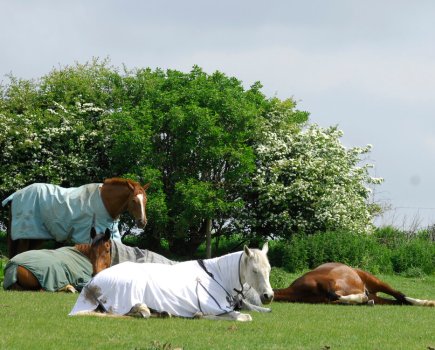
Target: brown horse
{"points": [[40, 212], [106, 252], [20, 271], [340, 284], [68, 268]]}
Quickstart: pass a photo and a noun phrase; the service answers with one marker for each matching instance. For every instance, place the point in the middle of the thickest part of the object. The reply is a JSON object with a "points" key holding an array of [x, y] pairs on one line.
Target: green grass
{"points": [[40, 321]]}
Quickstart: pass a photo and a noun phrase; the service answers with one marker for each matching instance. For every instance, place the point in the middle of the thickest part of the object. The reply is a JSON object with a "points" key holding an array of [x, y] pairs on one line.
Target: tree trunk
{"points": [[208, 239]]}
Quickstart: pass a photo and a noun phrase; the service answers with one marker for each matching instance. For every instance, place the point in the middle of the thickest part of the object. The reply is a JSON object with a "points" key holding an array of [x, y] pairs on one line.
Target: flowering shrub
{"points": [[307, 181], [58, 145]]}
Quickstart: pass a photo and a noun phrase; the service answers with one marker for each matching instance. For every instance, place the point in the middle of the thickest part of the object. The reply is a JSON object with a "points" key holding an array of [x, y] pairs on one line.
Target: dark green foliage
{"points": [[412, 255], [384, 252]]}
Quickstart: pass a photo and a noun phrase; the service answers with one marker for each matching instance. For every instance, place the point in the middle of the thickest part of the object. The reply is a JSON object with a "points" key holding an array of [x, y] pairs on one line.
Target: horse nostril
{"points": [[267, 298]]}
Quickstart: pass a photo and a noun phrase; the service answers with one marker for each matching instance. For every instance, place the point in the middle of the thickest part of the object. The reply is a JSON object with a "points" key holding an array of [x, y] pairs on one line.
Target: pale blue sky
{"points": [[368, 66]]}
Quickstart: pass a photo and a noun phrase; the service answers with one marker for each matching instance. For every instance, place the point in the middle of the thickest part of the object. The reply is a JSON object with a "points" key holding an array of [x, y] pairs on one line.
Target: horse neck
{"points": [[115, 198], [84, 248], [229, 267], [284, 294]]}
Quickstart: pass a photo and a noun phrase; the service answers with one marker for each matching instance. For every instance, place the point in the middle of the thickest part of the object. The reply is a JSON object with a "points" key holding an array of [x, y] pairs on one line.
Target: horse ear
{"points": [[130, 185], [107, 234], [247, 250], [265, 248], [146, 186], [93, 232]]}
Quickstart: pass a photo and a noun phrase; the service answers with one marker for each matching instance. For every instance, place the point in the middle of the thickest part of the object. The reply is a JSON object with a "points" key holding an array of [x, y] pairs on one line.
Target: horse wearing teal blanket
{"points": [[68, 268], [42, 212]]}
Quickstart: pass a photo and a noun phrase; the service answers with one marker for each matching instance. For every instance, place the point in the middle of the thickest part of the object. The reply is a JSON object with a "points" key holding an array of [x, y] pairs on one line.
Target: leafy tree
{"points": [[307, 181], [196, 131]]}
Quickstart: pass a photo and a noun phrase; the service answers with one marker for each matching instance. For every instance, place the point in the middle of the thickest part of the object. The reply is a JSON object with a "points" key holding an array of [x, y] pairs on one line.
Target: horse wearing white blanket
{"points": [[204, 288]]}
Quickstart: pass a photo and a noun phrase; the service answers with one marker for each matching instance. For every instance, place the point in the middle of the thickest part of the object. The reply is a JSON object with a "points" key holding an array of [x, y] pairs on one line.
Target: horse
{"points": [[65, 269], [341, 284], [68, 269], [41, 211], [105, 253], [197, 288]]}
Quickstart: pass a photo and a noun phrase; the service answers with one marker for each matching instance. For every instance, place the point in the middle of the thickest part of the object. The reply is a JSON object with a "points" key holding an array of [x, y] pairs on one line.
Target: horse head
{"points": [[255, 271], [100, 251], [137, 202], [119, 195]]}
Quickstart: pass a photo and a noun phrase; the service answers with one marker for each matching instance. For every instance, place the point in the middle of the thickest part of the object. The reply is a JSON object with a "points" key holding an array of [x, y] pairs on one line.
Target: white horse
{"points": [[199, 288]]}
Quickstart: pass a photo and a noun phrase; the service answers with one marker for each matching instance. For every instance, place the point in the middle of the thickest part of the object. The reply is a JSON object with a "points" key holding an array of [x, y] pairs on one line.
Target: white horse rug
{"points": [[45, 211], [184, 289]]}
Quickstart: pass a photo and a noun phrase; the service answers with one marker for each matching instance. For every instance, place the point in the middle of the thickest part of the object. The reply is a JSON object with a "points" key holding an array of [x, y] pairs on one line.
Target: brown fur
{"points": [[330, 281]]}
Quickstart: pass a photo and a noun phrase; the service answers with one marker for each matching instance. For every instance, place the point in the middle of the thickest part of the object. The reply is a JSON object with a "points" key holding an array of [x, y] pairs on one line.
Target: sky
{"points": [[367, 66]]}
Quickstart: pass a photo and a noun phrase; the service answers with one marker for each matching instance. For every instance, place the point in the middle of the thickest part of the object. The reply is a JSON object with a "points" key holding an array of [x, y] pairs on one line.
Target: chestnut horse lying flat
{"points": [[40, 212], [340, 284]]}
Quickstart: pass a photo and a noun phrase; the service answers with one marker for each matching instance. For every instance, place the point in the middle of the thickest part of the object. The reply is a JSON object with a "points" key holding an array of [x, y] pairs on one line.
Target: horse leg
{"points": [[25, 280], [35, 244], [68, 289], [375, 285], [231, 316], [420, 302], [139, 310], [245, 305], [360, 298]]}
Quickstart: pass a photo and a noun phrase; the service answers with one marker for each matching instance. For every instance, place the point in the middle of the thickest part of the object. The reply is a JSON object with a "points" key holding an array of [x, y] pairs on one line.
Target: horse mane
{"points": [[120, 181]]}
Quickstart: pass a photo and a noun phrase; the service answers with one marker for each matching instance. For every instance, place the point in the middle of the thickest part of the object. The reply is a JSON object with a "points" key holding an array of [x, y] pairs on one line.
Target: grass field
{"points": [[39, 321]]}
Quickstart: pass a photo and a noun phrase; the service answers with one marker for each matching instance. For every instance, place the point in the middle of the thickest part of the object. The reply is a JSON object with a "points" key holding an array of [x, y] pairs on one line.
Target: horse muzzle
{"points": [[266, 298], [141, 223]]}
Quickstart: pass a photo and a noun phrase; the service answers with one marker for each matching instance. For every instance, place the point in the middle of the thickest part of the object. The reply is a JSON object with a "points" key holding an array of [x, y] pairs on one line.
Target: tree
{"points": [[196, 132], [307, 181]]}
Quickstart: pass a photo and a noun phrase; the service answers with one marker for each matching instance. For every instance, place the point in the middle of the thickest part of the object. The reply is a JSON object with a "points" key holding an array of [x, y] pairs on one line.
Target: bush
{"points": [[387, 251], [355, 250], [414, 254], [279, 278]]}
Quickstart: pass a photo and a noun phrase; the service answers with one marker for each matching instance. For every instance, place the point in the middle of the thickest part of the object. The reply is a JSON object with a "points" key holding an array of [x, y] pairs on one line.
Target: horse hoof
{"points": [[371, 302], [140, 311], [244, 318]]}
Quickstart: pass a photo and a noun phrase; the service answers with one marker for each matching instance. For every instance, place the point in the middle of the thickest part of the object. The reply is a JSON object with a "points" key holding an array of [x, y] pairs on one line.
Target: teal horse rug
{"points": [[45, 211], [55, 269]]}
